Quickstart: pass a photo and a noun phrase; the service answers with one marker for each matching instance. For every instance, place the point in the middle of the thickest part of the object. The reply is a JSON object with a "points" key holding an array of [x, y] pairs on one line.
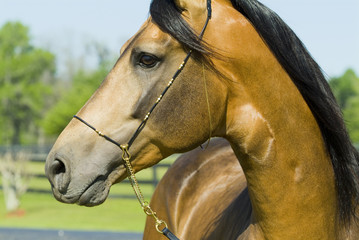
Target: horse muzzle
{"points": [[88, 185]]}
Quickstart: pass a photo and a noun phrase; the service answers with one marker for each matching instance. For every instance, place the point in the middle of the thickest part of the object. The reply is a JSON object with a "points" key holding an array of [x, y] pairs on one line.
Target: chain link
{"points": [[126, 156]]}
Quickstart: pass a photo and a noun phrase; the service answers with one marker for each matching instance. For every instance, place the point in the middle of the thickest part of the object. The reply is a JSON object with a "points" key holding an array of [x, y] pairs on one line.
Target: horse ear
{"points": [[192, 7]]}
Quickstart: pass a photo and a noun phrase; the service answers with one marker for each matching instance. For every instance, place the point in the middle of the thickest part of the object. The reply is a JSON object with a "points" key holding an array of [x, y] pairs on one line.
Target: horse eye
{"points": [[148, 61]]}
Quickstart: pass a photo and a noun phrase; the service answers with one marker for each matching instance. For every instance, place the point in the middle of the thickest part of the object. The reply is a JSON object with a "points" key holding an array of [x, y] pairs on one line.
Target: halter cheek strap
{"points": [[174, 77]]}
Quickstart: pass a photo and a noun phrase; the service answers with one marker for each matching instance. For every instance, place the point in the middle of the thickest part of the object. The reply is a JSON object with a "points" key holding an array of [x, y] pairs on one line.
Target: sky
{"points": [[329, 28]]}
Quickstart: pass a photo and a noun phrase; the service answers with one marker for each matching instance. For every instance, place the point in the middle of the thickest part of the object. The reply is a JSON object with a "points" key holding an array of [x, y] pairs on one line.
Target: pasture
{"points": [[120, 212]]}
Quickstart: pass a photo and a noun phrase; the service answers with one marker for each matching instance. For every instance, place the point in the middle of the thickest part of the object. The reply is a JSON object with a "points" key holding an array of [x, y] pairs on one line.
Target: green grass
{"points": [[43, 211]]}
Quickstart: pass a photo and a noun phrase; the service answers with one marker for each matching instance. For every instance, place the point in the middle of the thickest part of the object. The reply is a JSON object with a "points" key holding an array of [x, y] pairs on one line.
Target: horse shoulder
{"points": [[203, 195]]}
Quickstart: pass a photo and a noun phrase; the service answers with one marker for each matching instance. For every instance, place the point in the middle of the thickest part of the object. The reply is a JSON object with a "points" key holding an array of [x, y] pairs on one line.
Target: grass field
{"points": [[43, 211]]}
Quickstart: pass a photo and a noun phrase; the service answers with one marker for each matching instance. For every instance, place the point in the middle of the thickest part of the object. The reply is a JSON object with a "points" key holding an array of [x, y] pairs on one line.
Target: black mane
{"points": [[304, 72]]}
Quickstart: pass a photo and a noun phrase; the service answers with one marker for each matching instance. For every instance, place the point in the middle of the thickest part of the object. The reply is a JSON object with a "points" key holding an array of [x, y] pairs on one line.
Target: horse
{"points": [[245, 77], [199, 194]]}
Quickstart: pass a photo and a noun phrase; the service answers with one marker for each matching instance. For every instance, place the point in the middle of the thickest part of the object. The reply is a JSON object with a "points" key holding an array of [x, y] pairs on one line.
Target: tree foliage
{"points": [[84, 85], [24, 70], [346, 90]]}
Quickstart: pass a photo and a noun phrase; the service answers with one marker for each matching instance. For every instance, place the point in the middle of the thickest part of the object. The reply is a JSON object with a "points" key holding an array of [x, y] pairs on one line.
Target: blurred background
{"points": [[55, 53]]}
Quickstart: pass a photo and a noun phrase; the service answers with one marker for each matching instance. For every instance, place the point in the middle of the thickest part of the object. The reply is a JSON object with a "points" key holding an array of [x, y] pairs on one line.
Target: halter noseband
{"points": [[125, 147]]}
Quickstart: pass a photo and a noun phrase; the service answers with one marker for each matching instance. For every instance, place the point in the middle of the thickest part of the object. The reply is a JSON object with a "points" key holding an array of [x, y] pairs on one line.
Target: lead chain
{"points": [[136, 188]]}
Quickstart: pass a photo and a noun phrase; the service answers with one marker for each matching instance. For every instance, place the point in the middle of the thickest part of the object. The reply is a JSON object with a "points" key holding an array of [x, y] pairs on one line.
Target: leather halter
{"points": [[177, 73], [125, 147]]}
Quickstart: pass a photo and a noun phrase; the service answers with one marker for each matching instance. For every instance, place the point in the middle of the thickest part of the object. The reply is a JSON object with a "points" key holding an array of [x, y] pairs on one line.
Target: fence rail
{"points": [[39, 154]]}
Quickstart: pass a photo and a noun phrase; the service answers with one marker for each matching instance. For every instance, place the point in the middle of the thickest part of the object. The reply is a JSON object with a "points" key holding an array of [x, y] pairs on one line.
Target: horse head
{"points": [[82, 166]]}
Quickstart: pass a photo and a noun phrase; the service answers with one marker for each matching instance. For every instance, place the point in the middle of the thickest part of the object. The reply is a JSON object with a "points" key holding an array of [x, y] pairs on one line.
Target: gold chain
{"points": [[126, 157]]}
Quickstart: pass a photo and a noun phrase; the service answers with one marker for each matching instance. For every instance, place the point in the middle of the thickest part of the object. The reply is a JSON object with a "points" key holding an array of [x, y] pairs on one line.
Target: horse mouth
{"points": [[95, 193]]}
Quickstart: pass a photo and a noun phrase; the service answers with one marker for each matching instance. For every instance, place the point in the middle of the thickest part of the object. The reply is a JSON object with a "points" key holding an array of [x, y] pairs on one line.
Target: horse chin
{"points": [[95, 194], [98, 191]]}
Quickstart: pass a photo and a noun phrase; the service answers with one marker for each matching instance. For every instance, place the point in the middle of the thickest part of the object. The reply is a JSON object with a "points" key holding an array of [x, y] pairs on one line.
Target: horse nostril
{"points": [[58, 167], [59, 176]]}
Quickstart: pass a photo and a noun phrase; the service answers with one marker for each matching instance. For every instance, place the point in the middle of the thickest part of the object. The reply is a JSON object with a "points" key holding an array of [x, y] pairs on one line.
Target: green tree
{"points": [[351, 115], [346, 90], [345, 87], [84, 85], [24, 70]]}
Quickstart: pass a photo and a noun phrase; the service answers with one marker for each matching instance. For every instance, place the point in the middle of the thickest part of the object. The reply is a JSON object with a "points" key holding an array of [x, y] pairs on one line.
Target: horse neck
{"points": [[280, 147]]}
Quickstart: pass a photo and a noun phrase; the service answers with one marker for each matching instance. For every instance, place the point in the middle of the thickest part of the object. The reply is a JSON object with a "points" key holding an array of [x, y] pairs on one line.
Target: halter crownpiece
{"points": [[126, 157]]}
